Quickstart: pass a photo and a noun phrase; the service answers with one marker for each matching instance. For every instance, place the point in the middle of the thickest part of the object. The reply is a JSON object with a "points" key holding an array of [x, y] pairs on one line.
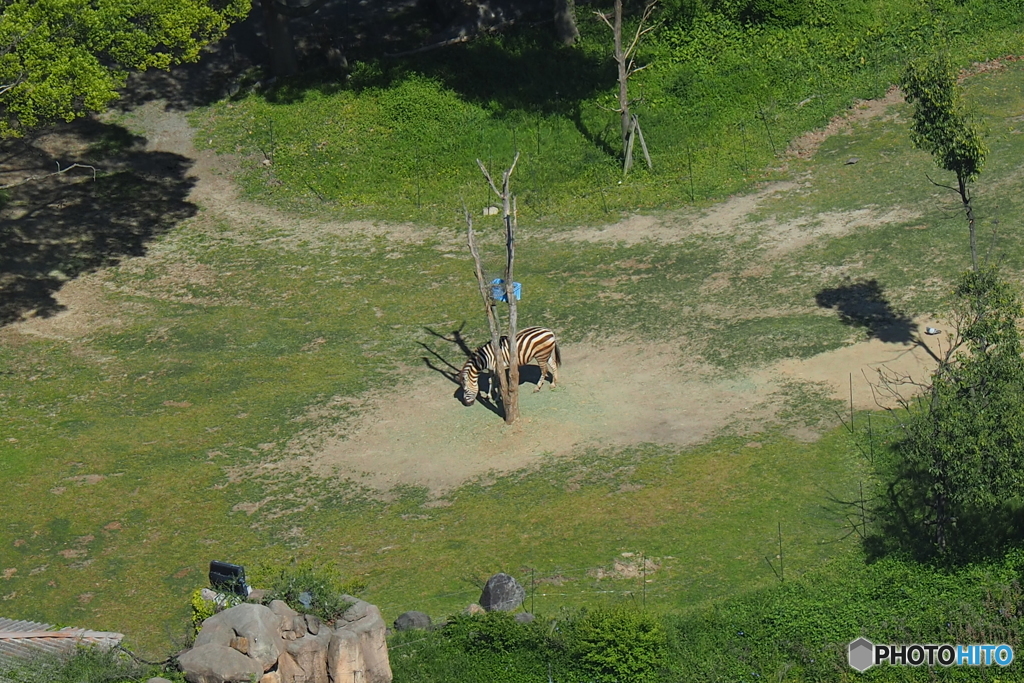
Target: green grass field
{"points": [[120, 450]]}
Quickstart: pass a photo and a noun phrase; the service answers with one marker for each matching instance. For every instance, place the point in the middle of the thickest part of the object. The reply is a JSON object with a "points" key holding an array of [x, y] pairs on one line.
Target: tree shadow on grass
{"points": [[56, 228], [863, 304], [522, 70]]}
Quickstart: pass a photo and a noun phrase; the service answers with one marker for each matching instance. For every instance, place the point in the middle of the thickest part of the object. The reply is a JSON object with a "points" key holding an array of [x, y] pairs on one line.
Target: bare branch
{"points": [[59, 171], [488, 177], [640, 31], [953, 189], [604, 18], [7, 86]]}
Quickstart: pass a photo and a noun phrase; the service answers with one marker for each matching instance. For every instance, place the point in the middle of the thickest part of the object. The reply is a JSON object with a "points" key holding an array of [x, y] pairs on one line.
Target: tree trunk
{"points": [[512, 404], [620, 60], [965, 197], [283, 61], [565, 21], [492, 314]]}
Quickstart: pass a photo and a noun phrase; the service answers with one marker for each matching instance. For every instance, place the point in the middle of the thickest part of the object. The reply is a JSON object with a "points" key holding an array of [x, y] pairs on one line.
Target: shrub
{"points": [[492, 632], [617, 644], [203, 609], [310, 588]]}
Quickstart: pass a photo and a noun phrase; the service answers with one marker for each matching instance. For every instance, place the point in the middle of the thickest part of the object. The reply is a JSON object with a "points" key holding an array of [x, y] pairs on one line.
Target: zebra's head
{"points": [[468, 380]]}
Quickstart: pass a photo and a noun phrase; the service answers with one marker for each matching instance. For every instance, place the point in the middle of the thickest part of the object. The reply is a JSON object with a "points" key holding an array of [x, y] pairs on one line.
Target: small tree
{"points": [[624, 60], [960, 453], [509, 385], [943, 128]]}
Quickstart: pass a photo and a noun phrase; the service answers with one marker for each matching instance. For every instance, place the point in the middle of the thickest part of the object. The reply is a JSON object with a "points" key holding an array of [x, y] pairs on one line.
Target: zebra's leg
{"points": [[554, 370], [543, 373], [492, 386]]}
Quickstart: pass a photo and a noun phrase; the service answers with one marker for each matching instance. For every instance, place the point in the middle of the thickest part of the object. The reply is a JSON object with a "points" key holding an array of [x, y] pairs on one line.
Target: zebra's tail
{"points": [[558, 355]]}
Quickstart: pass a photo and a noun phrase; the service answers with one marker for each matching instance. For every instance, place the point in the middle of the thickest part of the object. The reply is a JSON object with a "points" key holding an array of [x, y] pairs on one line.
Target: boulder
{"points": [[271, 677], [502, 594], [308, 657], [281, 608], [257, 624], [524, 618], [407, 621], [218, 664], [358, 649], [215, 632]]}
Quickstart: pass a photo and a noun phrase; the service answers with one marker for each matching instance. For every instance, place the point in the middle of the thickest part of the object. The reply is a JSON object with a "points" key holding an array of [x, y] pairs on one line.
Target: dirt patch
{"points": [[721, 218], [216, 191], [612, 395], [807, 144]]}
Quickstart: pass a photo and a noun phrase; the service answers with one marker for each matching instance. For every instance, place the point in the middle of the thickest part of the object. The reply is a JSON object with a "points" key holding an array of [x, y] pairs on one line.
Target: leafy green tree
{"points": [[943, 128], [60, 59], [960, 454]]}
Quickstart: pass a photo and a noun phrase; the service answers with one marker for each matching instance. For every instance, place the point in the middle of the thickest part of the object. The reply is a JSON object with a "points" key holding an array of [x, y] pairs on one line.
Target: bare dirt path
{"points": [[611, 395]]}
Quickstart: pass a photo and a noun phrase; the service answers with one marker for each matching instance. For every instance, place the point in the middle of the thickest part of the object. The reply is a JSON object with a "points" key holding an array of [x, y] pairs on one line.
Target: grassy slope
{"points": [[123, 552]]}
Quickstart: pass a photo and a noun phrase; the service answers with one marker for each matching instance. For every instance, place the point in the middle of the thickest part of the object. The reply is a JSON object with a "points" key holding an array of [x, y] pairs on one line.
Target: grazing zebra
{"points": [[531, 343]]}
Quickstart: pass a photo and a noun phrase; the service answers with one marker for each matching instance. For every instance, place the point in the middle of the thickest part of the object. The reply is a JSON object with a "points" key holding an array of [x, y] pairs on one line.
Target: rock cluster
{"points": [[276, 644]]}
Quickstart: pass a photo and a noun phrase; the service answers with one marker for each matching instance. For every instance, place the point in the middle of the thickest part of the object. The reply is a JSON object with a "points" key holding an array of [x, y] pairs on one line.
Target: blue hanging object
{"points": [[498, 290]]}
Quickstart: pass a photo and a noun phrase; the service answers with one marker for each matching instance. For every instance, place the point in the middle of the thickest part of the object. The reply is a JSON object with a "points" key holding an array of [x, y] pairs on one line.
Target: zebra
{"points": [[531, 343]]}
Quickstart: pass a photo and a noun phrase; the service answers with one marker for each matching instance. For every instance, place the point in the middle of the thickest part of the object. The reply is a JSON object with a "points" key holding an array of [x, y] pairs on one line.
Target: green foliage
{"points": [[494, 632], [960, 453], [62, 58], [320, 585], [616, 644], [203, 609], [721, 100], [798, 631], [84, 665], [941, 125]]}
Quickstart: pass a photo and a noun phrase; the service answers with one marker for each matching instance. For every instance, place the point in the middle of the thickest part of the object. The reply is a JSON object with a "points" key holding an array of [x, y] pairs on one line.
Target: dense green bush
{"points": [[954, 476], [623, 643], [493, 632]]}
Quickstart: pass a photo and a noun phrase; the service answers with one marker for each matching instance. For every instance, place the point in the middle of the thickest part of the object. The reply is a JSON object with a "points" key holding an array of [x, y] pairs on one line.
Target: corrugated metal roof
{"points": [[23, 638]]}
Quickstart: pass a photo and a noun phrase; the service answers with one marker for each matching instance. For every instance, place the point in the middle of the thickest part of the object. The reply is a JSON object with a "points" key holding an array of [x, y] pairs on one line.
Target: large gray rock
{"points": [[358, 649], [218, 664], [256, 623], [502, 594], [408, 621]]}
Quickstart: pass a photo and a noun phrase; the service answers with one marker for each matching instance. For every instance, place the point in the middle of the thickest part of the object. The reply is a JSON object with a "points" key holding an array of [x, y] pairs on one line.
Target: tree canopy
{"points": [[60, 59]]}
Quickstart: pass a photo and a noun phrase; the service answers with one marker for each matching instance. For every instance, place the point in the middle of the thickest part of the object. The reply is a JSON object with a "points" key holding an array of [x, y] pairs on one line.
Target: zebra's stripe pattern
{"points": [[532, 343]]}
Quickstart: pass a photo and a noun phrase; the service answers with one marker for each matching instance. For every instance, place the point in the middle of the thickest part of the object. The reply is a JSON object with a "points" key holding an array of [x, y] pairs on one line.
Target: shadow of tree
{"points": [[57, 228], [863, 304]]}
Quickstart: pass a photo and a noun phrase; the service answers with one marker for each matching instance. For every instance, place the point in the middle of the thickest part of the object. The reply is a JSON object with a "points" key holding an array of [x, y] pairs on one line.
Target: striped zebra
{"points": [[531, 343]]}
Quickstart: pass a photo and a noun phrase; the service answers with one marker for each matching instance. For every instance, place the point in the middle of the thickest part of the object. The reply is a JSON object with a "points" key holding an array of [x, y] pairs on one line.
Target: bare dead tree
{"points": [[509, 385], [490, 305], [625, 60]]}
